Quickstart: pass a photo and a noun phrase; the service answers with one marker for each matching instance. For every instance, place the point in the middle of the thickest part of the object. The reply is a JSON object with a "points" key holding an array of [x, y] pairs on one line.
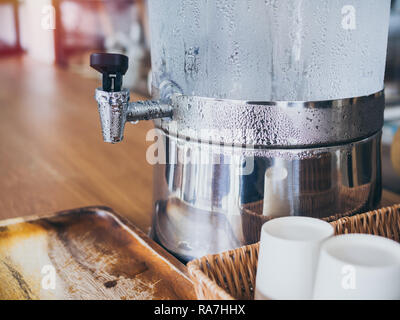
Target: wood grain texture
{"points": [[95, 254], [52, 156]]}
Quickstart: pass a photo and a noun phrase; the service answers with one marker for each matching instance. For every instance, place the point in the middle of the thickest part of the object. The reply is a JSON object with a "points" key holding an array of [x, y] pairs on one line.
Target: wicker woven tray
{"points": [[232, 274]]}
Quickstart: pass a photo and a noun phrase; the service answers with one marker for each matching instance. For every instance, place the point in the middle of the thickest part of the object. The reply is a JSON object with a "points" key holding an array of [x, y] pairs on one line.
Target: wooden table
{"points": [[52, 156]]}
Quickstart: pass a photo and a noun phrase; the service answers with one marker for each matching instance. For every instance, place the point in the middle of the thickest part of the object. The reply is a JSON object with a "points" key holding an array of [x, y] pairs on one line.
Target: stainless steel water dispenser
{"points": [[261, 108]]}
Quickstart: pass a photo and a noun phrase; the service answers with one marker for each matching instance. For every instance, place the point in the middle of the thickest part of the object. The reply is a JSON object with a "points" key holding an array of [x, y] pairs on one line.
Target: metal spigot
{"points": [[113, 101]]}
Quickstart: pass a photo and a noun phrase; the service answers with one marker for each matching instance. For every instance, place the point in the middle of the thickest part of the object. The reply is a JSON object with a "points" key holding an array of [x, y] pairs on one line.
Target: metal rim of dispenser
{"points": [[279, 124], [254, 124]]}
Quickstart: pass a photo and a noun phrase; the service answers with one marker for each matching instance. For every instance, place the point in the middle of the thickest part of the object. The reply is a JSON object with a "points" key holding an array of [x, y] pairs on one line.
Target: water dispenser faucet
{"points": [[113, 100], [112, 67]]}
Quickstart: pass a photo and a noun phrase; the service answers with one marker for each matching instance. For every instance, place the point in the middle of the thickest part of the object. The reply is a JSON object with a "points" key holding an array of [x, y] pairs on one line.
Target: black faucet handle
{"points": [[112, 66]]}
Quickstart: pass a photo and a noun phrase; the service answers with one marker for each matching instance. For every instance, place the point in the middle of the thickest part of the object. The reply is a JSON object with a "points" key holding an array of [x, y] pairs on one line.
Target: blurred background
{"points": [[52, 156], [65, 32], [391, 141]]}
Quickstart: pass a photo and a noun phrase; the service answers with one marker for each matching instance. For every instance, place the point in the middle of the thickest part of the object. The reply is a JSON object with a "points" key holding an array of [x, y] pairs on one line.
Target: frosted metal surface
{"points": [[270, 49]]}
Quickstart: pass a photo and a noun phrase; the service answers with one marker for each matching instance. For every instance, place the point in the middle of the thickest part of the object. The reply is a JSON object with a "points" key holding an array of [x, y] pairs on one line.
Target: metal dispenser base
{"points": [[202, 208]]}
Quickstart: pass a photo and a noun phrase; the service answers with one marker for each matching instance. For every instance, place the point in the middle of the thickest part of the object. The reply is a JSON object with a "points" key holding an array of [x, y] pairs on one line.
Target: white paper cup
{"points": [[289, 250], [358, 267]]}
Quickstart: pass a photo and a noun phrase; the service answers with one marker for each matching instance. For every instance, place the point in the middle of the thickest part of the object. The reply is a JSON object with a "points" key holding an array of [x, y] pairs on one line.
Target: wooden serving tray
{"points": [[87, 253]]}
